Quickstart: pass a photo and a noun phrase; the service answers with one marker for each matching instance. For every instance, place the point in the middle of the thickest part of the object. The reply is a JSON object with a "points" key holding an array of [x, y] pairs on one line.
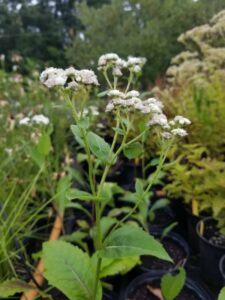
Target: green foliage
{"points": [[132, 241], [70, 270], [98, 146], [133, 150], [199, 178], [138, 24], [11, 287], [171, 285], [112, 266], [222, 294]]}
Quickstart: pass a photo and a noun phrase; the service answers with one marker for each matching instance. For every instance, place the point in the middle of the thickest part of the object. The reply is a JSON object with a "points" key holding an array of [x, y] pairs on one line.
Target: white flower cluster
{"points": [[70, 77], [92, 110], [132, 101], [112, 60], [36, 119], [171, 127]]}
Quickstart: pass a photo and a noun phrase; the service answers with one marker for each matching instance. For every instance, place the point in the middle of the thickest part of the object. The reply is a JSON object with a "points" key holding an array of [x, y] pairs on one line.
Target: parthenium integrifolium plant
{"points": [[75, 273]]}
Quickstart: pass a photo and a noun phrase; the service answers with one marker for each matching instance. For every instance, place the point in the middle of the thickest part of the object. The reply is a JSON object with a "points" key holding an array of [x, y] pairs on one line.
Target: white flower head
{"points": [[52, 77], [107, 58], [159, 119], [71, 71], [132, 93], [110, 107], [25, 121], [117, 71], [116, 93], [40, 120], [86, 77], [73, 85], [166, 135], [182, 120], [179, 132], [135, 63]]}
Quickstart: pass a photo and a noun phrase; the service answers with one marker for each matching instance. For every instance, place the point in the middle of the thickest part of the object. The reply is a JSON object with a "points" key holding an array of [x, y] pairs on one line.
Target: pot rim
{"points": [[221, 266], [189, 283], [202, 237]]}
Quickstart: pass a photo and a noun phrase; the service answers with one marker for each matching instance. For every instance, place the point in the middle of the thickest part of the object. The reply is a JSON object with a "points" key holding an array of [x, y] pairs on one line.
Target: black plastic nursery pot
{"points": [[175, 246], [192, 221], [163, 218], [139, 289], [222, 268], [210, 253]]}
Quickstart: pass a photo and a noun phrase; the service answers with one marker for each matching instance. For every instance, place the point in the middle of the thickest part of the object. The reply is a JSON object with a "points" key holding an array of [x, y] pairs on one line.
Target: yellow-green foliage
{"points": [[194, 176]]}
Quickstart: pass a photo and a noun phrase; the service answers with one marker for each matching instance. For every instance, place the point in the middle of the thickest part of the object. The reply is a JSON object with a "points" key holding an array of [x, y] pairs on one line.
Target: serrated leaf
{"points": [[12, 286], [98, 146], [70, 270], [133, 150], [132, 241], [171, 285]]}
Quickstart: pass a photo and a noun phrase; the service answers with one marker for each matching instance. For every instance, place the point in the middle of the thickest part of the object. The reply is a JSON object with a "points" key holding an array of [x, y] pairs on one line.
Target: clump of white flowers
{"points": [[69, 78], [36, 119], [112, 60]]}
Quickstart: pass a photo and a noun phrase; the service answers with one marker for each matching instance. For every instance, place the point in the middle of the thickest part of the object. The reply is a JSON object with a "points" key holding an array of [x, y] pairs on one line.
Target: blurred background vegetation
{"points": [[76, 32]]}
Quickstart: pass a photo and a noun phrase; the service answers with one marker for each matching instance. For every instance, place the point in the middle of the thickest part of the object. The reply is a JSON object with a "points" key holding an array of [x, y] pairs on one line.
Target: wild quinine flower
{"points": [[166, 135], [132, 93], [181, 120], [135, 63], [86, 77], [52, 77], [116, 93], [24, 121], [36, 119], [40, 119], [159, 119], [179, 132]]}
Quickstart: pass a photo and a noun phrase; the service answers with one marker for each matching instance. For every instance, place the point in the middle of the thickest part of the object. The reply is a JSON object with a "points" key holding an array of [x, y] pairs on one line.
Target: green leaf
{"points": [[222, 294], [132, 241], [81, 195], [44, 145], [112, 266], [119, 130], [133, 150], [61, 200], [37, 157], [171, 285], [70, 270], [167, 230], [139, 187], [12, 286], [98, 146], [78, 134], [161, 203]]}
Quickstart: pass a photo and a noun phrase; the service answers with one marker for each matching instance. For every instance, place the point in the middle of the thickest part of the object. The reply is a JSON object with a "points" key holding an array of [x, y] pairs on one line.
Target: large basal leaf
{"points": [[133, 150], [171, 285], [70, 270], [132, 241], [12, 286], [98, 146]]}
